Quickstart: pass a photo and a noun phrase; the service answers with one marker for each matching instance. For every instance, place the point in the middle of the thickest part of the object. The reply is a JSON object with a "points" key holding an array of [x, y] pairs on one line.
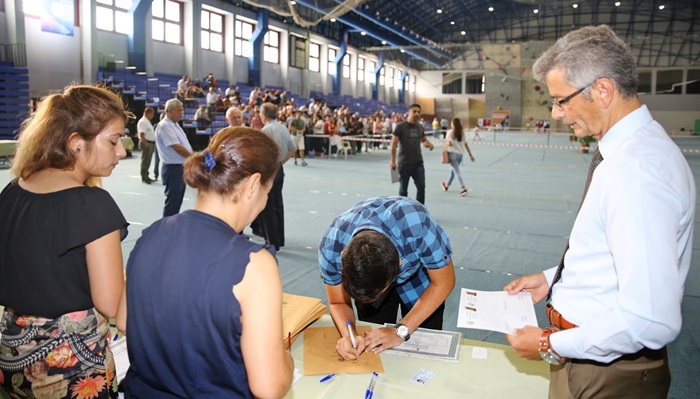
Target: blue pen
{"points": [[370, 389], [326, 378]]}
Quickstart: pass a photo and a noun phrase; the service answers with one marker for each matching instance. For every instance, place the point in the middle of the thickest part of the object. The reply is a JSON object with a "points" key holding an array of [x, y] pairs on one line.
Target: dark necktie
{"points": [[597, 159]]}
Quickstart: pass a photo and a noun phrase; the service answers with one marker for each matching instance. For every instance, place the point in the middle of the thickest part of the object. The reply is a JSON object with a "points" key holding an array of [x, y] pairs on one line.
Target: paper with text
{"points": [[495, 310]]}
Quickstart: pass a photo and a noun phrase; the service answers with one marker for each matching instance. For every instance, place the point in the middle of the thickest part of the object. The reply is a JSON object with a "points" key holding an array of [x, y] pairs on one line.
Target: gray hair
{"points": [[172, 103], [588, 54], [269, 110]]}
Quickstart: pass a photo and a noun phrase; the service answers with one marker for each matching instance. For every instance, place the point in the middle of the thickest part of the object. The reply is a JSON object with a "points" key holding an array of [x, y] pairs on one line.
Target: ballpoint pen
{"points": [[326, 378], [370, 389], [352, 338]]}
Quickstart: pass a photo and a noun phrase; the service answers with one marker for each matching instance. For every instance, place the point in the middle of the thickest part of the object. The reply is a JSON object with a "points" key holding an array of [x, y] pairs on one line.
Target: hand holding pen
{"points": [[352, 338]]}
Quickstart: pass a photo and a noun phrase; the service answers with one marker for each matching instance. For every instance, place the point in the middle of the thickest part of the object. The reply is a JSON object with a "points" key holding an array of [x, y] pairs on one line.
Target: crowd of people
{"points": [[202, 304]]}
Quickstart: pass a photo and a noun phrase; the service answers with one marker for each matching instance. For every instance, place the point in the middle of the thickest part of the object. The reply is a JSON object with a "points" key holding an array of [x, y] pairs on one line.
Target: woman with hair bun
{"points": [[61, 267], [204, 302]]}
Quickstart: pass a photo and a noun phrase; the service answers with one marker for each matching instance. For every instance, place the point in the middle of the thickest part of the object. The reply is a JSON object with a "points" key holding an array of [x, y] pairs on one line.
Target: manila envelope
{"points": [[320, 356]]}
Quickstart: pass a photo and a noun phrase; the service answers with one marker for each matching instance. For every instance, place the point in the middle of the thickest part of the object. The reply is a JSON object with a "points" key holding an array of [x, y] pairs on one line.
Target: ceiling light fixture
{"points": [[383, 41], [332, 19], [403, 51], [661, 7], [293, 2], [575, 5], [617, 4], [463, 33], [452, 22], [535, 11], [439, 11], [363, 33]]}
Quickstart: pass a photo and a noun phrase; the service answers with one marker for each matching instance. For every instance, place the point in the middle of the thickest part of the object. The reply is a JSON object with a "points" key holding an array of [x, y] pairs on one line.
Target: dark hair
{"points": [[415, 105], [43, 140], [239, 152], [369, 263], [457, 130]]}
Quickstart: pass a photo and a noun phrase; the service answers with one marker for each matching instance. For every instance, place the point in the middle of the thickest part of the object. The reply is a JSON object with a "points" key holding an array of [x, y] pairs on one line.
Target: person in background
{"points": [[271, 220], [456, 146], [385, 253], [147, 142], [60, 253], [202, 117], [227, 343], [173, 148], [616, 294], [297, 127], [234, 117], [410, 134]]}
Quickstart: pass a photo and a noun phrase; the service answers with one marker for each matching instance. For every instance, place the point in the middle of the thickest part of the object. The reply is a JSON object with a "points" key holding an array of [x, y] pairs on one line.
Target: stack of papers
{"points": [[298, 312]]}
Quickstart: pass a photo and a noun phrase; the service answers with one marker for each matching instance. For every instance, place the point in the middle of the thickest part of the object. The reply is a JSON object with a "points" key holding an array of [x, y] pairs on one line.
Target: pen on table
{"points": [[326, 378], [352, 338], [370, 389]]}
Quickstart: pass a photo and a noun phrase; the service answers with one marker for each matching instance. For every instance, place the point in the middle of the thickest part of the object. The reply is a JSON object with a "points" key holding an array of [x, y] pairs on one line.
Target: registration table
{"points": [[502, 374]]}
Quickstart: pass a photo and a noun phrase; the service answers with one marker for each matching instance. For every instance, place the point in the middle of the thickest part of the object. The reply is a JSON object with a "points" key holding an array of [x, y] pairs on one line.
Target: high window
{"points": [[332, 54], [271, 49], [167, 22], [212, 31], [346, 66], [361, 69], [381, 76], [397, 78], [390, 83], [314, 57], [111, 15], [244, 32], [370, 72]]}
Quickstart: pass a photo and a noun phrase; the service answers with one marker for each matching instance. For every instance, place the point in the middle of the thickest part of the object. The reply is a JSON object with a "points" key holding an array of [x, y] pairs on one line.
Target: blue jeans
{"points": [[455, 161], [417, 172], [174, 188]]}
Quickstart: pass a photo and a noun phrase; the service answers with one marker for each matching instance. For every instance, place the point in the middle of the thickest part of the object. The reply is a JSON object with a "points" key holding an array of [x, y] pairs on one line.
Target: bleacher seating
{"points": [[14, 99]]}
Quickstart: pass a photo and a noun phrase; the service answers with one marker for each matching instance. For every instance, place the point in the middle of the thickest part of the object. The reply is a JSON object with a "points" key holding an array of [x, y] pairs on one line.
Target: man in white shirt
{"points": [[234, 117], [147, 142], [173, 148], [616, 296]]}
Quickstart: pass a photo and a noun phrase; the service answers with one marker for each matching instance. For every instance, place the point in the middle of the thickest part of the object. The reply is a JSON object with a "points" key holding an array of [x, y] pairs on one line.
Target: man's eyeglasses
{"points": [[560, 103]]}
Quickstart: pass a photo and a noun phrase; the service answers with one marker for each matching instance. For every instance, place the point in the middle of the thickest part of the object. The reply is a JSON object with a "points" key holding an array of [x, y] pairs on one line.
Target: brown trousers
{"points": [[632, 377]]}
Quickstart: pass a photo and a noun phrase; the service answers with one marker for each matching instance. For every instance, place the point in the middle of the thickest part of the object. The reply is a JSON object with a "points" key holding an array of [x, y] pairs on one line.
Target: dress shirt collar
{"points": [[623, 129]]}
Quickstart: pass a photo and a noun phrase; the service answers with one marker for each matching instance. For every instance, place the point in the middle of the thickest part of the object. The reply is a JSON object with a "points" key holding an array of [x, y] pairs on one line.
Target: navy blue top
{"points": [[183, 321]]}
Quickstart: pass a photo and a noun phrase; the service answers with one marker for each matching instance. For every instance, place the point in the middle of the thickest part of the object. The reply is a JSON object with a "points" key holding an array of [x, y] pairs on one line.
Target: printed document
{"points": [[495, 310]]}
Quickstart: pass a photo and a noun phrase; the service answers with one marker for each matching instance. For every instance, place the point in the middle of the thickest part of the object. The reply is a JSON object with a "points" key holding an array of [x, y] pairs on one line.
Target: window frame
{"points": [[331, 59], [314, 60], [212, 32], [168, 21], [119, 16], [361, 69], [242, 46], [269, 48]]}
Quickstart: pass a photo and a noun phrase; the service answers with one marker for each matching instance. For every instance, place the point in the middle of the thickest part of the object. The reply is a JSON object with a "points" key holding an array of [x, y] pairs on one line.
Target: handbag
{"points": [[445, 156]]}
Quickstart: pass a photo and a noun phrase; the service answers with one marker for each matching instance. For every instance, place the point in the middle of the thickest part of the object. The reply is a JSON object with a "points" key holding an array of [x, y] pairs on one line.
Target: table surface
{"points": [[501, 375]]}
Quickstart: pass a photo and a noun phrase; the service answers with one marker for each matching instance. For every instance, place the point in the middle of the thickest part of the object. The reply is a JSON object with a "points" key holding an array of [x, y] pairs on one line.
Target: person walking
{"points": [[411, 135], [456, 145]]}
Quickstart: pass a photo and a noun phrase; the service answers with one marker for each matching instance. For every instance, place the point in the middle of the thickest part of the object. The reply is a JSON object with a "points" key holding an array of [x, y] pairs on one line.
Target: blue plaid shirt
{"points": [[419, 240]]}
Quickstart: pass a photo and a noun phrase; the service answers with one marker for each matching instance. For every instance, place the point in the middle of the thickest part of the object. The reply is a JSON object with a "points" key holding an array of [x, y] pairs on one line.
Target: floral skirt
{"points": [[67, 357]]}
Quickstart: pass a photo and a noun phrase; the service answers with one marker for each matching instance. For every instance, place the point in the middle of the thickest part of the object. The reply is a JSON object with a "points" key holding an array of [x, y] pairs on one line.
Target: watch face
{"points": [[402, 331]]}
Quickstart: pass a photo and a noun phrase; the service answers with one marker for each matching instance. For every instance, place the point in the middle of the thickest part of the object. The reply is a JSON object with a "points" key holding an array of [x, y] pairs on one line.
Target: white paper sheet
{"points": [[495, 310], [429, 344]]}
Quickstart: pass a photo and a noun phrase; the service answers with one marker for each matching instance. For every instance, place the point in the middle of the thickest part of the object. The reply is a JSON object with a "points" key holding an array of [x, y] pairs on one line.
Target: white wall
{"points": [[53, 60], [4, 38]]}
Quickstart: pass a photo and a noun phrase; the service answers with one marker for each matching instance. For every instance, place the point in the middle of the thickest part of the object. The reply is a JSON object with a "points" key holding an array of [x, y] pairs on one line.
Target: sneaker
{"points": [[147, 181], [295, 162], [303, 163], [463, 192], [444, 186]]}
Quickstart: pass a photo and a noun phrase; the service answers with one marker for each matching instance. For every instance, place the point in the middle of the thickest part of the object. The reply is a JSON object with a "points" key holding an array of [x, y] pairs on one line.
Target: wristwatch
{"points": [[402, 331], [546, 352]]}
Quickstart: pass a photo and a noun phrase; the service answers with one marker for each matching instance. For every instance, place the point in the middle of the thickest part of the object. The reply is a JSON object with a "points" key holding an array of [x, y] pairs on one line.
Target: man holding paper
{"points": [[385, 253], [616, 295]]}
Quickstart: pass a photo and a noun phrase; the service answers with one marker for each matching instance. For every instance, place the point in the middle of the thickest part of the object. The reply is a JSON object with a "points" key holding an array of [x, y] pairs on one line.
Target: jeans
{"points": [[174, 188], [417, 172], [455, 161]]}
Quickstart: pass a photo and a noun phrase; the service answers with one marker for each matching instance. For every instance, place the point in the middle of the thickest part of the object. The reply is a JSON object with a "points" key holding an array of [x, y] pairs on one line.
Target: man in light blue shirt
{"points": [[616, 295], [173, 148]]}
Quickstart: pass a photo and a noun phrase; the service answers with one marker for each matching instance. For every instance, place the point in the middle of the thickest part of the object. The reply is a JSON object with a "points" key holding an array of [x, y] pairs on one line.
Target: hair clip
{"points": [[209, 161]]}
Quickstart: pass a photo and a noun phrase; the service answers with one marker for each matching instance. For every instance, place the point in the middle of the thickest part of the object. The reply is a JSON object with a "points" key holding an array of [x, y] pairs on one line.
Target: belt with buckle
{"points": [[556, 319]]}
